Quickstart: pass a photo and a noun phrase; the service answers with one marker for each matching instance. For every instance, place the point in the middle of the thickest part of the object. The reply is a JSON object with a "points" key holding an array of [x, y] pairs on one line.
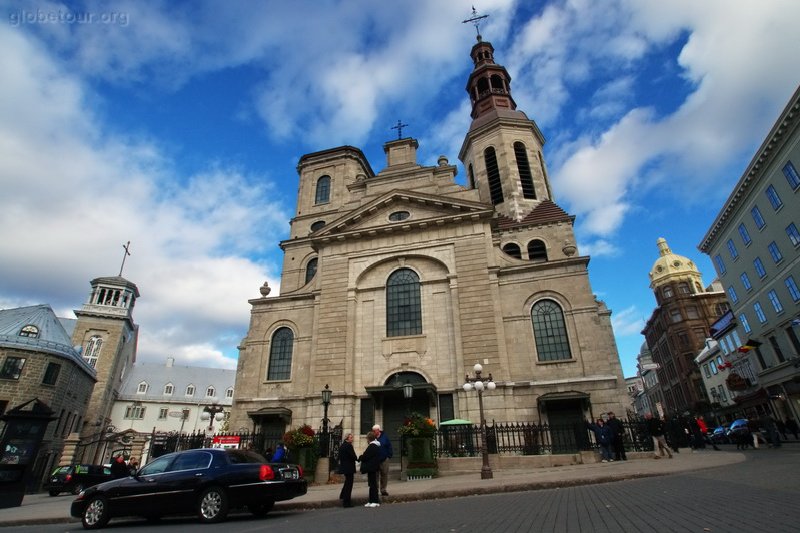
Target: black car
{"points": [[207, 482], [74, 478]]}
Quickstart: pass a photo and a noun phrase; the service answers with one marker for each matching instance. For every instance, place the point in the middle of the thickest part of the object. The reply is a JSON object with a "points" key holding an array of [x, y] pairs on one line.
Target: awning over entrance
{"points": [[379, 392], [271, 412], [558, 396]]}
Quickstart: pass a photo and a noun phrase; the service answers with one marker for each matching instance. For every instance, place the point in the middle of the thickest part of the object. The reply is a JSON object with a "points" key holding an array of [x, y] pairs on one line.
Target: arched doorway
{"points": [[395, 407]]}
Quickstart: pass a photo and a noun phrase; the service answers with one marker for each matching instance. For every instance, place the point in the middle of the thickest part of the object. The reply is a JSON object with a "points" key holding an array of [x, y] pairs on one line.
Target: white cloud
{"points": [[627, 322], [73, 194]]}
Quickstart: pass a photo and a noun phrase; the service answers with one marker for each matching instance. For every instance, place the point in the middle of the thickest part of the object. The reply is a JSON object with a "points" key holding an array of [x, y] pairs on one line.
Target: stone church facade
{"points": [[403, 276]]}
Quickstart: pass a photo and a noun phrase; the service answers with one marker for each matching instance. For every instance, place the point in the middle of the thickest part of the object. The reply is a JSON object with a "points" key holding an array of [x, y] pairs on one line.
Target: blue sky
{"points": [[178, 126]]}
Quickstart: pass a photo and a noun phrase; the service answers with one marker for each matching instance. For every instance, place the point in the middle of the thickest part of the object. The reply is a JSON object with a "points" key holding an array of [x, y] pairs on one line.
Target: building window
{"points": [[775, 252], [720, 264], [706, 371], [794, 292], [323, 194], [142, 388], [759, 312], [732, 294], [794, 235], [318, 225], [743, 233], [211, 392], [403, 304], [757, 218], [550, 331], [398, 216], [714, 369], [691, 312], [168, 389], [513, 250], [29, 331], [537, 251], [732, 249], [92, 352], [791, 175], [667, 292], [745, 281], [367, 409], [776, 347], [311, 269], [775, 301], [190, 390], [525, 176], [683, 288], [493, 173], [471, 175], [229, 392], [51, 374], [675, 315], [162, 413], [773, 197], [280, 354], [762, 273], [745, 324], [134, 412]]}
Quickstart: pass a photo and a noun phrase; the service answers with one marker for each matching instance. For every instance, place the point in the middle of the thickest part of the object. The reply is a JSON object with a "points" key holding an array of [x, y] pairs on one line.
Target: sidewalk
{"points": [[44, 509]]}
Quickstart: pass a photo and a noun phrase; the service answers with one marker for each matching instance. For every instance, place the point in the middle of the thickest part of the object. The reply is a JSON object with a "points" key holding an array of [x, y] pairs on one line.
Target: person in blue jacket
{"points": [[604, 436], [280, 454]]}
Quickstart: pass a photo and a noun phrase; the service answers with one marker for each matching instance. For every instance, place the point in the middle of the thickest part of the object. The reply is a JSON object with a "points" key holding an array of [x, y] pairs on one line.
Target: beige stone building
{"points": [[404, 276]]}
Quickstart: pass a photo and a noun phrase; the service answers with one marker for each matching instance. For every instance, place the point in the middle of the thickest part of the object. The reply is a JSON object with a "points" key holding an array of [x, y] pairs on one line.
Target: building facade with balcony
{"points": [[754, 243]]}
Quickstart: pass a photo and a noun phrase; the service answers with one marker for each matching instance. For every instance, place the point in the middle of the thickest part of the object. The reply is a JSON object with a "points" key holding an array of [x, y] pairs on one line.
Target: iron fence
{"points": [[521, 438]]}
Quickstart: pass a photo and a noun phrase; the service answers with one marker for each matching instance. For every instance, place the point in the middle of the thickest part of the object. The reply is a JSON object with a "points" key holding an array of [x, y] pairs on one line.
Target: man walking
{"points": [[385, 455], [655, 427]]}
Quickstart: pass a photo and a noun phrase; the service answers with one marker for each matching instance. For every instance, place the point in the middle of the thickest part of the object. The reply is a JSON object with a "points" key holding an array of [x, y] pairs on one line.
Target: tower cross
{"points": [[399, 127], [475, 20], [125, 255]]}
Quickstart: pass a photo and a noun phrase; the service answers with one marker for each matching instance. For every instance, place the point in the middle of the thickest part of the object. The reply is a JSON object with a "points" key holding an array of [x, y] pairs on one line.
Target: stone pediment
{"points": [[400, 211]]}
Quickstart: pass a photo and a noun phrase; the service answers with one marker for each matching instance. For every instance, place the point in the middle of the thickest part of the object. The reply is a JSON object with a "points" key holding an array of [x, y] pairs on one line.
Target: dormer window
{"points": [[168, 389], [29, 331], [229, 392], [190, 390], [142, 388], [210, 392]]}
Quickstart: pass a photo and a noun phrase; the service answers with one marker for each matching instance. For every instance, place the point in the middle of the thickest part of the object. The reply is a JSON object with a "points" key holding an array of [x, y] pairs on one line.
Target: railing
{"points": [[530, 439]]}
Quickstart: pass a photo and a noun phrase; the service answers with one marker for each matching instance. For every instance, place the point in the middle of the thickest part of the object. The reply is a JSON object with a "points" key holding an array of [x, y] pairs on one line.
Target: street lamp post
{"points": [[212, 412], [479, 383], [326, 401]]}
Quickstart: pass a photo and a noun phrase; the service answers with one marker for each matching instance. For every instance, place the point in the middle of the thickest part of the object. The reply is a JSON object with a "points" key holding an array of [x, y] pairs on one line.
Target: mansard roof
{"points": [[544, 213], [52, 338], [157, 375]]}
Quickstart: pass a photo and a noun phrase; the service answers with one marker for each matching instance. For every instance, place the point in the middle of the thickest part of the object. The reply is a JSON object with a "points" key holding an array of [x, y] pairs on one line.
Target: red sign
{"points": [[226, 441]]}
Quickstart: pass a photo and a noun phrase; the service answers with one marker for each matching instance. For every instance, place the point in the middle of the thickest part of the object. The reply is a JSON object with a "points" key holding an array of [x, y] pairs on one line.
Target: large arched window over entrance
{"points": [[280, 354], [403, 304], [550, 331]]}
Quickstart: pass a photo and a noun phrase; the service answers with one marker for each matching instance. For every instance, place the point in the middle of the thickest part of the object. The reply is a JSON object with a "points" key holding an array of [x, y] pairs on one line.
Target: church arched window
{"points": [[311, 269], [280, 354], [493, 173], [323, 195], [524, 169], [92, 352], [513, 250], [403, 304], [537, 250], [550, 331]]}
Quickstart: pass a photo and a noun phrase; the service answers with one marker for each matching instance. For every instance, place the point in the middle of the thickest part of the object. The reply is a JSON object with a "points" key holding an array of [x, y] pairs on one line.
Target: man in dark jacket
{"points": [[618, 444], [386, 454], [119, 468], [655, 426]]}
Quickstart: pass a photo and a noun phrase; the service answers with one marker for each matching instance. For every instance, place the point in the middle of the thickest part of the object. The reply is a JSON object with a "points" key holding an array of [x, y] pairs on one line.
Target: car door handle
{"points": [[198, 475]]}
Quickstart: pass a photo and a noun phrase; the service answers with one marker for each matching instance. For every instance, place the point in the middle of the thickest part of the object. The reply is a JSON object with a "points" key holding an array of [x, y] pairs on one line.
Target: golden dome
{"points": [[670, 266]]}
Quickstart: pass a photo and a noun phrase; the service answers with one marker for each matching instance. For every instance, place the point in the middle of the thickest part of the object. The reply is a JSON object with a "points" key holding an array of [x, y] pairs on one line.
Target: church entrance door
{"points": [[567, 425]]}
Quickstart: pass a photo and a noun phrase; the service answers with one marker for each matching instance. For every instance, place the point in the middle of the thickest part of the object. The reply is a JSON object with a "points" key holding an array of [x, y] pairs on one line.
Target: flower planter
{"points": [[421, 461], [306, 458]]}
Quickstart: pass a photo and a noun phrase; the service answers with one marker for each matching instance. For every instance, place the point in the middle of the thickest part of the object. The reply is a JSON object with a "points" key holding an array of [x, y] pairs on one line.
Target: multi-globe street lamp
{"points": [[212, 412], [480, 384]]}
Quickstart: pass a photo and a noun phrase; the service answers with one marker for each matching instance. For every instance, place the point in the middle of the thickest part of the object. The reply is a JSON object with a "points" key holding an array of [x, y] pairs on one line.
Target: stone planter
{"points": [[306, 458], [421, 461]]}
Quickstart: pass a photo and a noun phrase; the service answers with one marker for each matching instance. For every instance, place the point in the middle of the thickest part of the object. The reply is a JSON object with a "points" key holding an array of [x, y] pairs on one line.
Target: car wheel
{"points": [[53, 493], [76, 489], [260, 509], [96, 513], [212, 505]]}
